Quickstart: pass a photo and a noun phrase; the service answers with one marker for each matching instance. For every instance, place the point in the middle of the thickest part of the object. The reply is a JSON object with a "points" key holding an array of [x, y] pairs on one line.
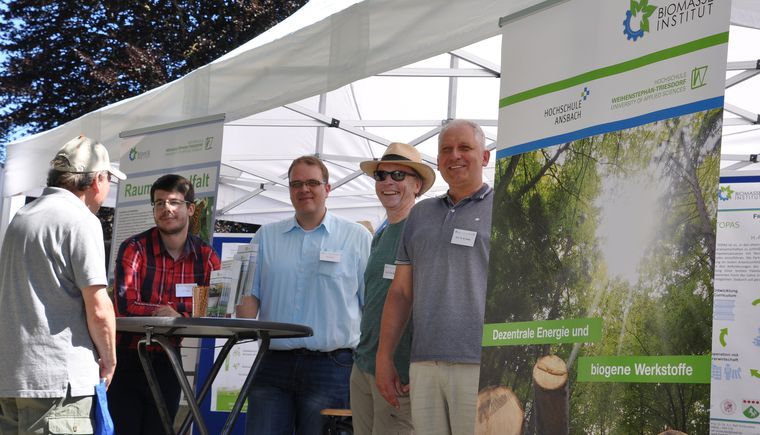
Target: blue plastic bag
{"points": [[103, 422]]}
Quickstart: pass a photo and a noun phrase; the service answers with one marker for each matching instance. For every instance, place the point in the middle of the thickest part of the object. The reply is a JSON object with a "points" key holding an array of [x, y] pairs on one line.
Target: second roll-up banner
{"points": [[600, 289]]}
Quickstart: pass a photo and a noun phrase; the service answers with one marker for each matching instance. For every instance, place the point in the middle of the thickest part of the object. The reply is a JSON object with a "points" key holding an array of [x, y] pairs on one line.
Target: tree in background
{"points": [[60, 60], [554, 211]]}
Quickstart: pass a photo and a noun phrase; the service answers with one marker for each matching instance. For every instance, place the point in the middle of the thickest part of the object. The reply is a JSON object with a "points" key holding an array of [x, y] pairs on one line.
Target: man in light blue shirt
{"points": [[309, 271]]}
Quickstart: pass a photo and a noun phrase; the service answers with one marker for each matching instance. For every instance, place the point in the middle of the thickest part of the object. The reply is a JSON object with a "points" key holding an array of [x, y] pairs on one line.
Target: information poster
{"points": [[226, 387], [600, 287], [193, 151], [735, 406]]}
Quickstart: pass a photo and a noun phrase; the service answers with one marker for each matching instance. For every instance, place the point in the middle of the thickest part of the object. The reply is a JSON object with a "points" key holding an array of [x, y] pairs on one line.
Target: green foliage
{"points": [[547, 262], [61, 60]]}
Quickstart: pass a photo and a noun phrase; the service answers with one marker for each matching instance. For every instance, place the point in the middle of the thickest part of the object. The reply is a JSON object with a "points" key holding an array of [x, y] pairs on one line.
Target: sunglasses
{"points": [[395, 175]]}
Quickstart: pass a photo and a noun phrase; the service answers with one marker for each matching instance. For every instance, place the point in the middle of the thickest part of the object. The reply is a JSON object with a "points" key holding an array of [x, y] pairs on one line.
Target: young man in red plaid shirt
{"points": [[154, 275]]}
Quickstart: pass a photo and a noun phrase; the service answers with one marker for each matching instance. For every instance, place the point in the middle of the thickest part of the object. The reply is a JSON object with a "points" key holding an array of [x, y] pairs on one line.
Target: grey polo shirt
{"points": [[52, 250], [447, 246]]}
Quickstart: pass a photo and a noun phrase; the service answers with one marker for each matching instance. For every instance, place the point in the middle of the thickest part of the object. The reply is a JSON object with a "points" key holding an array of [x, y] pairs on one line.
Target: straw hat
{"points": [[403, 154]]}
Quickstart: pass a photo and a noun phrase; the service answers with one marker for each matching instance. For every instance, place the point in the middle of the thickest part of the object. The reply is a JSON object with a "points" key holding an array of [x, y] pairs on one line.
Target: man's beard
{"points": [[172, 231]]}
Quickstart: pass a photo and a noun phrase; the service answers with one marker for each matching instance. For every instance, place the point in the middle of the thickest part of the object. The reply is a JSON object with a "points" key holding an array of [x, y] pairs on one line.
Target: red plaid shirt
{"points": [[146, 277]]}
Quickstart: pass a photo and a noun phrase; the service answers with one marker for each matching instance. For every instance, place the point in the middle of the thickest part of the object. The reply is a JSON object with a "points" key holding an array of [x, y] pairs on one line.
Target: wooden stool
{"points": [[339, 422]]}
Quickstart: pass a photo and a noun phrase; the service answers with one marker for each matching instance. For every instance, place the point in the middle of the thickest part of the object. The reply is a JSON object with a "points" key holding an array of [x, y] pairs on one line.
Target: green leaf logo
{"points": [[637, 17], [133, 153], [645, 10], [725, 193]]}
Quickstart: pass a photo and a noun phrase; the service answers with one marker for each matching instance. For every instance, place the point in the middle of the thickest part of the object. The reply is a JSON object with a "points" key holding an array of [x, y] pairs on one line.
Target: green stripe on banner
{"points": [[671, 369], [699, 44], [734, 421], [543, 332]]}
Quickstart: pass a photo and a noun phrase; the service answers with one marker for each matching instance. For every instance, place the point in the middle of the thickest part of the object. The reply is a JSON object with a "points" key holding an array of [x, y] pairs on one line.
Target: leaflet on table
{"points": [[249, 269], [219, 290]]}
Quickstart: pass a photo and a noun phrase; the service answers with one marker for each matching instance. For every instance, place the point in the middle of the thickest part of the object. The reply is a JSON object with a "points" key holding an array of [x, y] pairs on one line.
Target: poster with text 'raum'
{"points": [[192, 150], [600, 288]]}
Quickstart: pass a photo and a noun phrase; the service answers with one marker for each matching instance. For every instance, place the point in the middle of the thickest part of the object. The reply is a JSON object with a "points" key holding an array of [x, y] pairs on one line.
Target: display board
{"points": [[192, 149], [600, 287], [735, 405]]}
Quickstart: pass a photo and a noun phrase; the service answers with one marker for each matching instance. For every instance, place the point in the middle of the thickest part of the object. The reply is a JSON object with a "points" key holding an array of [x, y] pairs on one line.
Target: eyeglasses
{"points": [[161, 204], [395, 175], [311, 183]]}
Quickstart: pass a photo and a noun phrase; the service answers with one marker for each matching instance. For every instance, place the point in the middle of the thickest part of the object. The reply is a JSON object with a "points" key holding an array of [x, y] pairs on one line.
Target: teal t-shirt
{"points": [[382, 253]]}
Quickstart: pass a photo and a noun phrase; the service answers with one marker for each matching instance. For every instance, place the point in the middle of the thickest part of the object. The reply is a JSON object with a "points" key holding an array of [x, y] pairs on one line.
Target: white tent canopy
{"points": [[342, 79]]}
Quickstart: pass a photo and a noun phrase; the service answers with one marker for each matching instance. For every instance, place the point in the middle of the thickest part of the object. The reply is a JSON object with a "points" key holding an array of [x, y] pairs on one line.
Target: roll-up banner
{"points": [[600, 288], [192, 149]]}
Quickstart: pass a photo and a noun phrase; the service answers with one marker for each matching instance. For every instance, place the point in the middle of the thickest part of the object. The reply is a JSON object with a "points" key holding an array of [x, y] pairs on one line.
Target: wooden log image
{"points": [[499, 412], [551, 399]]}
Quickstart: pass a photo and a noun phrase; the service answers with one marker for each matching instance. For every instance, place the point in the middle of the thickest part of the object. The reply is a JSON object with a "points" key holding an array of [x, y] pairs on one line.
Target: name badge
{"points": [[184, 290], [463, 237], [331, 256], [389, 271]]}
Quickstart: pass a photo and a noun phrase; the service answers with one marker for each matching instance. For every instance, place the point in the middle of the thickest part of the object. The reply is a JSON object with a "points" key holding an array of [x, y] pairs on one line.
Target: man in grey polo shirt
{"points": [[57, 324], [440, 282]]}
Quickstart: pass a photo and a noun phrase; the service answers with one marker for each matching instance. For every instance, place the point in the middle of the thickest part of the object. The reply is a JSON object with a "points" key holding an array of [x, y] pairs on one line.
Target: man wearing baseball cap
{"points": [[58, 322], [400, 177]]}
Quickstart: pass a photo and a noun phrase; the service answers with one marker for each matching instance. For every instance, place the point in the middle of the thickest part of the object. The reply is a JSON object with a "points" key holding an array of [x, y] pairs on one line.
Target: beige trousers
{"points": [[63, 415], [371, 414], [444, 397]]}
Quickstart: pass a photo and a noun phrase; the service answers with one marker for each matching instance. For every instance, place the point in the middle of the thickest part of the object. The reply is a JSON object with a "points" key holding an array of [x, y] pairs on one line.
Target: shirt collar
{"points": [[160, 249], [328, 223], [65, 193], [479, 195]]}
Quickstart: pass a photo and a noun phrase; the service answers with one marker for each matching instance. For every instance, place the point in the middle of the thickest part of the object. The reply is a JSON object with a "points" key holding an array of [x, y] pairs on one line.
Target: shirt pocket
{"points": [[334, 268]]}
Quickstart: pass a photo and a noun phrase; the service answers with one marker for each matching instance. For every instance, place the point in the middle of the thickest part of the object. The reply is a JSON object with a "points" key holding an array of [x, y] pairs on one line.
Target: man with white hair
{"points": [[440, 283]]}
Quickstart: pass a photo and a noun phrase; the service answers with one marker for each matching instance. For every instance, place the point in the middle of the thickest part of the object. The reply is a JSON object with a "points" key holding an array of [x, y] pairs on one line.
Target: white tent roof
{"points": [[339, 78]]}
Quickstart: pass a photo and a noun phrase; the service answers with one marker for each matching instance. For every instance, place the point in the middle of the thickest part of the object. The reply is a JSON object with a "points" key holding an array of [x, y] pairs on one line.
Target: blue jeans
{"points": [[291, 387]]}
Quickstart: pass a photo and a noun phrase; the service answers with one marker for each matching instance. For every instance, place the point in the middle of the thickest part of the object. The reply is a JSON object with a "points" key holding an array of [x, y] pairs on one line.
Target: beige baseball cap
{"points": [[82, 155]]}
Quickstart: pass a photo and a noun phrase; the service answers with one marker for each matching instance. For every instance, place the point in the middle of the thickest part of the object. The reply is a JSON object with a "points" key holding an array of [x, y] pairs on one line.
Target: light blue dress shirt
{"points": [[313, 278]]}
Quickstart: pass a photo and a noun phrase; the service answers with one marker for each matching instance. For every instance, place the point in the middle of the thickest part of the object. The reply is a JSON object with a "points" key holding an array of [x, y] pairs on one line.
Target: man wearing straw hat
{"points": [[440, 282], [400, 177], [57, 324]]}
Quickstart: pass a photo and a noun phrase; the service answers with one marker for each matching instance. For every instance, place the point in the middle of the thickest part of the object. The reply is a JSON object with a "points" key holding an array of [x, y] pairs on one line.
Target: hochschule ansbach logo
{"points": [[637, 18], [570, 111]]}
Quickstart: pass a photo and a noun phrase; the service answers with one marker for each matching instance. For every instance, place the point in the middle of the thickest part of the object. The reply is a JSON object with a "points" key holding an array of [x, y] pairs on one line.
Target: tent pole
{"points": [[451, 111]]}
